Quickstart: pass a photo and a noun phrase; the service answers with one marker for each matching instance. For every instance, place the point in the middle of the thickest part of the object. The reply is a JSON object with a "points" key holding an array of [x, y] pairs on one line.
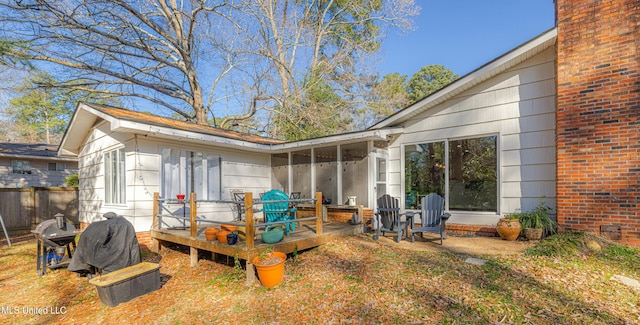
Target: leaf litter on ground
{"points": [[352, 280]]}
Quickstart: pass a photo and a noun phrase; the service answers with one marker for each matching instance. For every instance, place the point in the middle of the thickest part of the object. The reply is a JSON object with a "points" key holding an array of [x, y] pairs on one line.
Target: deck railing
{"points": [[248, 205]]}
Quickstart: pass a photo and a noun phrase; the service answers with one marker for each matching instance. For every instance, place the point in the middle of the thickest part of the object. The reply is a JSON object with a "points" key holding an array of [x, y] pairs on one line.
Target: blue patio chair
{"points": [[389, 219], [278, 211], [432, 217]]}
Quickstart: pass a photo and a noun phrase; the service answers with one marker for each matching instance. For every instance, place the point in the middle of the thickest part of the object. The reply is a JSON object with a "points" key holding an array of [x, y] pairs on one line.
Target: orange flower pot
{"points": [[229, 228], [222, 236], [211, 233], [270, 269]]}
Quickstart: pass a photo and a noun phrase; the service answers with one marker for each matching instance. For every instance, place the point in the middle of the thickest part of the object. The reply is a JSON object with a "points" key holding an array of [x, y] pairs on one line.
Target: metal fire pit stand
{"points": [[43, 251]]}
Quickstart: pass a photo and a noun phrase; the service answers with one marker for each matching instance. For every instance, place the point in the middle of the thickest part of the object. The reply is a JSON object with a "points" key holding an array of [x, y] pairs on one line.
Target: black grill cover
{"points": [[107, 245]]}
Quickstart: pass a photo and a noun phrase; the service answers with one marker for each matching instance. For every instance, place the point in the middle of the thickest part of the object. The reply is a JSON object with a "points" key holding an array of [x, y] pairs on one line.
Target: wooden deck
{"points": [[310, 232], [304, 237]]}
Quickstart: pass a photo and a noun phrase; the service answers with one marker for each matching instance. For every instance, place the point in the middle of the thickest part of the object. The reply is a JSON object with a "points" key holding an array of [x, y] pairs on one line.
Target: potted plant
{"points": [[509, 227], [537, 223], [270, 267], [232, 238], [211, 233]]}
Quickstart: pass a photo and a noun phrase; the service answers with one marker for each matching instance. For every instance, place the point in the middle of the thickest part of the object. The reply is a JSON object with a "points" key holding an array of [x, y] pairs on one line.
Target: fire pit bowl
{"points": [[55, 237]]}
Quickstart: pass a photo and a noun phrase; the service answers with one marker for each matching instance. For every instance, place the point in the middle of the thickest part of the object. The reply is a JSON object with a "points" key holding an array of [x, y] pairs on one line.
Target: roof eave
{"points": [[34, 157], [378, 134], [165, 132], [76, 131]]}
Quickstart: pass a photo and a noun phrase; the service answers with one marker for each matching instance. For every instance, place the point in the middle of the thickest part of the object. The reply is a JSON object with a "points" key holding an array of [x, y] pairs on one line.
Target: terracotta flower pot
{"points": [[270, 269], [509, 229], [222, 236], [229, 228], [211, 233]]}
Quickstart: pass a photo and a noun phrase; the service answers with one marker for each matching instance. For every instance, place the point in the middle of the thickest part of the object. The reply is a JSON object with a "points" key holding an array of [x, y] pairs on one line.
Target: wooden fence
{"points": [[22, 209]]}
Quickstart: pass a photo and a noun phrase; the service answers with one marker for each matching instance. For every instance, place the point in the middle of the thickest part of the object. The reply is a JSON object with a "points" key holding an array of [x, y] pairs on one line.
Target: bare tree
{"points": [[286, 64], [152, 49], [317, 50]]}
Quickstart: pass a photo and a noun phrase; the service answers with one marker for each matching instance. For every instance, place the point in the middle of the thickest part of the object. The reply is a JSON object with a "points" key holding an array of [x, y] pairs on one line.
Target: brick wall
{"points": [[598, 105], [144, 240]]}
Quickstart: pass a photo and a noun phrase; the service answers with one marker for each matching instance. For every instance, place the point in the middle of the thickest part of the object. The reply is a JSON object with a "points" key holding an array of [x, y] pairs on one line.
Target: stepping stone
{"points": [[475, 261], [626, 281]]}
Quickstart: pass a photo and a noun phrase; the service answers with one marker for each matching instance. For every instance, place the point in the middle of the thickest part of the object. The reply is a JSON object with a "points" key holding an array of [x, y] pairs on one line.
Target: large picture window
{"points": [[114, 177], [473, 165], [463, 171], [424, 171], [184, 172]]}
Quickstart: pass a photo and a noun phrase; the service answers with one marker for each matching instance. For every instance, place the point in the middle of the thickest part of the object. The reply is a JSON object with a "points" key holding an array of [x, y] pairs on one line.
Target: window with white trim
{"points": [[464, 171], [21, 167], [57, 166], [115, 177], [185, 171]]}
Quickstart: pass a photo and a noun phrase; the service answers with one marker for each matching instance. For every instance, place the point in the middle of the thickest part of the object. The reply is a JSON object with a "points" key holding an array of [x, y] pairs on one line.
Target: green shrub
{"points": [[72, 181], [538, 218]]}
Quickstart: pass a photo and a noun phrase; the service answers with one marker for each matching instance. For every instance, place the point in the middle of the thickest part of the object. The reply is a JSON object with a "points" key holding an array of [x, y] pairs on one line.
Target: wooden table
{"points": [[358, 209]]}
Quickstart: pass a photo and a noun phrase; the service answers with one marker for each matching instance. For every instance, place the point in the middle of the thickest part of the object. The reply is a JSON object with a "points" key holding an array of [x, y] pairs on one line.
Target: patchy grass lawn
{"points": [[351, 281]]}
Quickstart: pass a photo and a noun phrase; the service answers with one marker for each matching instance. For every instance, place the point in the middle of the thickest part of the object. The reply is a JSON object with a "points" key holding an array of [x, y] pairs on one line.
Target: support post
{"points": [[155, 223], [192, 215], [319, 213], [155, 210], [193, 227], [248, 214], [194, 256], [250, 233], [251, 273]]}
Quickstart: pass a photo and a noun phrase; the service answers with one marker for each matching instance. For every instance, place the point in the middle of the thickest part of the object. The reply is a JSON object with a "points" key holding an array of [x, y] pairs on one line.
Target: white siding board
{"points": [[530, 189], [535, 156], [528, 173], [526, 203], [529, 124], [528, 140]]}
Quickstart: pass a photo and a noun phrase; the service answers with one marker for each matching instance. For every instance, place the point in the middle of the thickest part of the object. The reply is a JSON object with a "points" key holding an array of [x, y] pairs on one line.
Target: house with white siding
{"points": [[34, 165], [485, 142], [487, 139], [554, 119]]}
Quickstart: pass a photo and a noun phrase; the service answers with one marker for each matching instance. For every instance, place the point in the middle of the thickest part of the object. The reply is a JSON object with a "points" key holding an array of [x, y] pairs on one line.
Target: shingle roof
{"points": [[147, 118], [28, 149]]}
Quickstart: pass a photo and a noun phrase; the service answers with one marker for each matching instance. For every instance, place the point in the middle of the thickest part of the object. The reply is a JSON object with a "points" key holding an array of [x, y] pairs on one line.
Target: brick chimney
{"points": [[598, 124]]}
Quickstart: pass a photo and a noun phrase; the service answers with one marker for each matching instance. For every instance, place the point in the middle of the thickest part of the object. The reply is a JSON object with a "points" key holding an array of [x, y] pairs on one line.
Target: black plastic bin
{"points": [[127, 283]]}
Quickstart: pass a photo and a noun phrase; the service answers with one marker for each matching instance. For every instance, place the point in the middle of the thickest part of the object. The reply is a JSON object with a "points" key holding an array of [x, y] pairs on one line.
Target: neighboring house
{"points": [[548, 119], [34, 165]]}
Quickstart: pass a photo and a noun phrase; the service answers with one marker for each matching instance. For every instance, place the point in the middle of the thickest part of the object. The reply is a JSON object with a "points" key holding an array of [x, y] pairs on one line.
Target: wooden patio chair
{"points": [[278, 211], [433, 218], [388, 218]]}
